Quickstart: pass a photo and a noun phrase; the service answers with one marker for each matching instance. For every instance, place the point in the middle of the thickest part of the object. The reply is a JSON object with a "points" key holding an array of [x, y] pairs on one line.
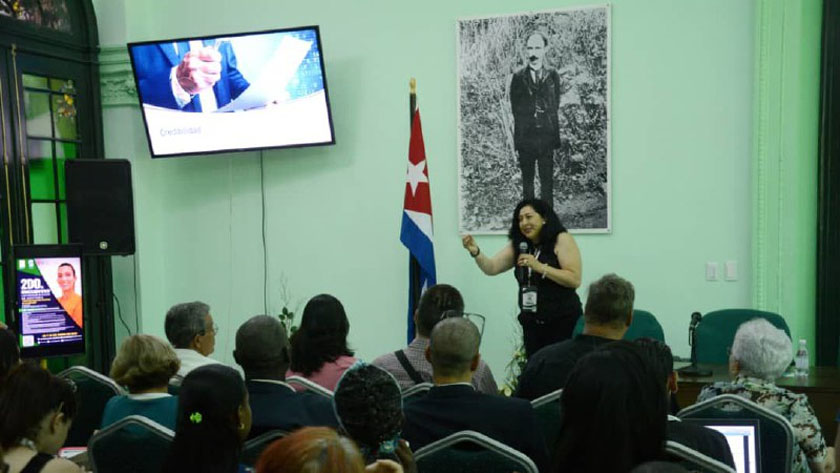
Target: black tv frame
{"points": [[233, 35]]}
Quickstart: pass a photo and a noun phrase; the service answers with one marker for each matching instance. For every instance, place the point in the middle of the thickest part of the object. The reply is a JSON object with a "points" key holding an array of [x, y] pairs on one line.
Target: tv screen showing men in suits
{"points": [[234, 92]]}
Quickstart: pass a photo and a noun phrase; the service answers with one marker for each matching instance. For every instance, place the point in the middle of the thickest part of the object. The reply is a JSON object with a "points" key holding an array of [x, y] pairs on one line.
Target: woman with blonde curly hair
{"points": [[144, 365]]}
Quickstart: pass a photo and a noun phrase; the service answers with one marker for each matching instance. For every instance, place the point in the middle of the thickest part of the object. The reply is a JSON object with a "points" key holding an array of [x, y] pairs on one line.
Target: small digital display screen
{"points": [[50, 312]]}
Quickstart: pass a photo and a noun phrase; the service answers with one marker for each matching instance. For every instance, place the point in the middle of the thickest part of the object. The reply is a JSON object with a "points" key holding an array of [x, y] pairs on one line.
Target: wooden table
{"points": [[822, 386]]}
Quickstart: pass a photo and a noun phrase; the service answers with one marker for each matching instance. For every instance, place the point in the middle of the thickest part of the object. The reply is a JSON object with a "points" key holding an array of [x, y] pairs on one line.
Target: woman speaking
{"points": [[548, 272]]}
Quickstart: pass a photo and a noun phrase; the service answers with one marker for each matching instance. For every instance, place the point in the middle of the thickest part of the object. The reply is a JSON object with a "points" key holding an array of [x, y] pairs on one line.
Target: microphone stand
{"points": [[692, 370]]}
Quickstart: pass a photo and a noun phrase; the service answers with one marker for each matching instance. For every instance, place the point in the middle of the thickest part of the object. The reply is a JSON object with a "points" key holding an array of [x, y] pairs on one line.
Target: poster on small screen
{"points": [[50, 301]]}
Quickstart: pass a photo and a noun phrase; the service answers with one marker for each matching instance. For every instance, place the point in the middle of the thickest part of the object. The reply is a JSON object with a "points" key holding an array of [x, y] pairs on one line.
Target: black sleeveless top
{"points": [[36, 463], [553, 300]]}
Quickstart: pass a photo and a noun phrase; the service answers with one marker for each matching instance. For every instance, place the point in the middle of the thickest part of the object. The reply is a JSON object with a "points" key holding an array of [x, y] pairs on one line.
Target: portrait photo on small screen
{"points": [[61, 277], [533, 117]]}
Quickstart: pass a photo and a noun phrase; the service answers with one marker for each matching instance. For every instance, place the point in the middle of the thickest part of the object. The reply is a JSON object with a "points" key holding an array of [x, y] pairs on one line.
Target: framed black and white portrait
{"points": [[534, 117]]}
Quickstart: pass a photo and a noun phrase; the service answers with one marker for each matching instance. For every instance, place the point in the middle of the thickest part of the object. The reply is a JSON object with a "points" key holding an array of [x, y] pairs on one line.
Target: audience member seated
{"points": [[368, 403], [760, 354], [318, 450], [409, 365], [37, 409], [144, 366], [9, 352], [696, 437], [190, 329], [453, 404], [262, 350], [607, 315], [319, 347], [614, 412], [213, 420]]}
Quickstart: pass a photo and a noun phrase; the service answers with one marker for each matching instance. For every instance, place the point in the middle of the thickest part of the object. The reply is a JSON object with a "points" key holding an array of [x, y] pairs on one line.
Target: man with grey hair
{"points": [[607, 315], [191, 331], [760, 354], [454, 404], [262, 350]]}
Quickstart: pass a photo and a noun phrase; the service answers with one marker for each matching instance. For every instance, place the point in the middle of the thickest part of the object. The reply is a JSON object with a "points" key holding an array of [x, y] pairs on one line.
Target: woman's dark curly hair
{"points": [[548, 233], [368, 404], [322, 336]]}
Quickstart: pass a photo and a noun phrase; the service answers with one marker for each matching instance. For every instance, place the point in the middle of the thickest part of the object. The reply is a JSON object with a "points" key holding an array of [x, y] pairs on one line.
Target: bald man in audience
{"points": [[607, 315], [453, 404], [409, 365], [262, 350]]}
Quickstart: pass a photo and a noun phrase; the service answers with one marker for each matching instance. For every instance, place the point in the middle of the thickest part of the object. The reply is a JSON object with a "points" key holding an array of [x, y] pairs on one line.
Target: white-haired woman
{"points": [[760, 354]]}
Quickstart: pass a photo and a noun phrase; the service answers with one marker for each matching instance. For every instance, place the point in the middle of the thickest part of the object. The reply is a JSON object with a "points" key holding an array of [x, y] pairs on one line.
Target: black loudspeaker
{"points": [[100, 207]]}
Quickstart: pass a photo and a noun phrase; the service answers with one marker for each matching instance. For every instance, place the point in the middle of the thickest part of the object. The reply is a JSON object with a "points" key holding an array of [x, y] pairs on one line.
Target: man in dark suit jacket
{"points": [[262, 350], [696, 437], [454, 405], [607, 315], [179, 75], [535, 100]]}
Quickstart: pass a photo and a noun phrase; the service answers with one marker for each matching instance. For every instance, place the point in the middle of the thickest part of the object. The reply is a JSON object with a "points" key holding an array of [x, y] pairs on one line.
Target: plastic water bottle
{"points": [[801, 359]]}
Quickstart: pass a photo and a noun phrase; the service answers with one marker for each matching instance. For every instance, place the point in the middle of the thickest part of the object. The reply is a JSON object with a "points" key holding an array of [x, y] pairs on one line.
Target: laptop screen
{"points": [[742, 437]]}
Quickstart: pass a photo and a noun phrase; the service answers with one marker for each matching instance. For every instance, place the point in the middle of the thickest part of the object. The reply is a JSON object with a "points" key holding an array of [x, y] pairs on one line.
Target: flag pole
{"points": [[414, 265]]}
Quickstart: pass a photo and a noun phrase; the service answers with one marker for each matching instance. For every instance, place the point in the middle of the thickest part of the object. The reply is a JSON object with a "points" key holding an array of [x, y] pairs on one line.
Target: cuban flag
{"points": [[416, 232]]}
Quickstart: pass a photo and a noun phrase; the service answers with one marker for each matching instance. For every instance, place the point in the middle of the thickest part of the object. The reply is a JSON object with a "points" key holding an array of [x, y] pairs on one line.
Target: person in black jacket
{"points": [[262, 350], [706, 441], [454, 405], [535, 99]]}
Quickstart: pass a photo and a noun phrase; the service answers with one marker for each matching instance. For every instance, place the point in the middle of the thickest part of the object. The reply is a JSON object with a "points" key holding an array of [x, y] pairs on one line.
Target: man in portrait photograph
{"points": [[534, 99]]}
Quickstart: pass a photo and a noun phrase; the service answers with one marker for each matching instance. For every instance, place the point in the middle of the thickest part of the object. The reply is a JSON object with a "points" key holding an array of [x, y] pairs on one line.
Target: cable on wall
{"points": [[136, 302], [119, 314], [230, 252], [265, 251]]}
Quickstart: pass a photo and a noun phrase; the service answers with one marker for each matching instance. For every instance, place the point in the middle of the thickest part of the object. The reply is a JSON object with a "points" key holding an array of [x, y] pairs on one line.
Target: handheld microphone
{"points": [[522, 271]]}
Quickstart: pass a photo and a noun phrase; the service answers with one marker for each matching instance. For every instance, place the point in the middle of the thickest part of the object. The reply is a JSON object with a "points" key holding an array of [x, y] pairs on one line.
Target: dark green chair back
{"points": [[693, 460], [93, 391], [253, 448], [471, 452], [133, 444], [716, 331], [547, 409], [775, 434], [644, 324], [418, 391]]}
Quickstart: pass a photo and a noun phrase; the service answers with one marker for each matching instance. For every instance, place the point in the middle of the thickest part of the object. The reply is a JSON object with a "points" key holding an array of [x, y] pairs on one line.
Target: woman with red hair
{"points": [[318, 450]]}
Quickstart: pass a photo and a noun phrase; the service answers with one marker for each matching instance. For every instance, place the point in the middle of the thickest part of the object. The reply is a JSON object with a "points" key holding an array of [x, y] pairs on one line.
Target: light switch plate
{"points": [[711, 271]]}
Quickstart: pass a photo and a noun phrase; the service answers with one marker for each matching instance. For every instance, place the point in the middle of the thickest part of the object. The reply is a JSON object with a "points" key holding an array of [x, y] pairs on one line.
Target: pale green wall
{"points": [[682, 166], [785, 161]]}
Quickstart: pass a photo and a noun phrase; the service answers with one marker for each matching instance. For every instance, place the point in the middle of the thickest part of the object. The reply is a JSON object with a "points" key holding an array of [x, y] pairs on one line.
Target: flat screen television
{"points": [[234, 92], [48, 300]]}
